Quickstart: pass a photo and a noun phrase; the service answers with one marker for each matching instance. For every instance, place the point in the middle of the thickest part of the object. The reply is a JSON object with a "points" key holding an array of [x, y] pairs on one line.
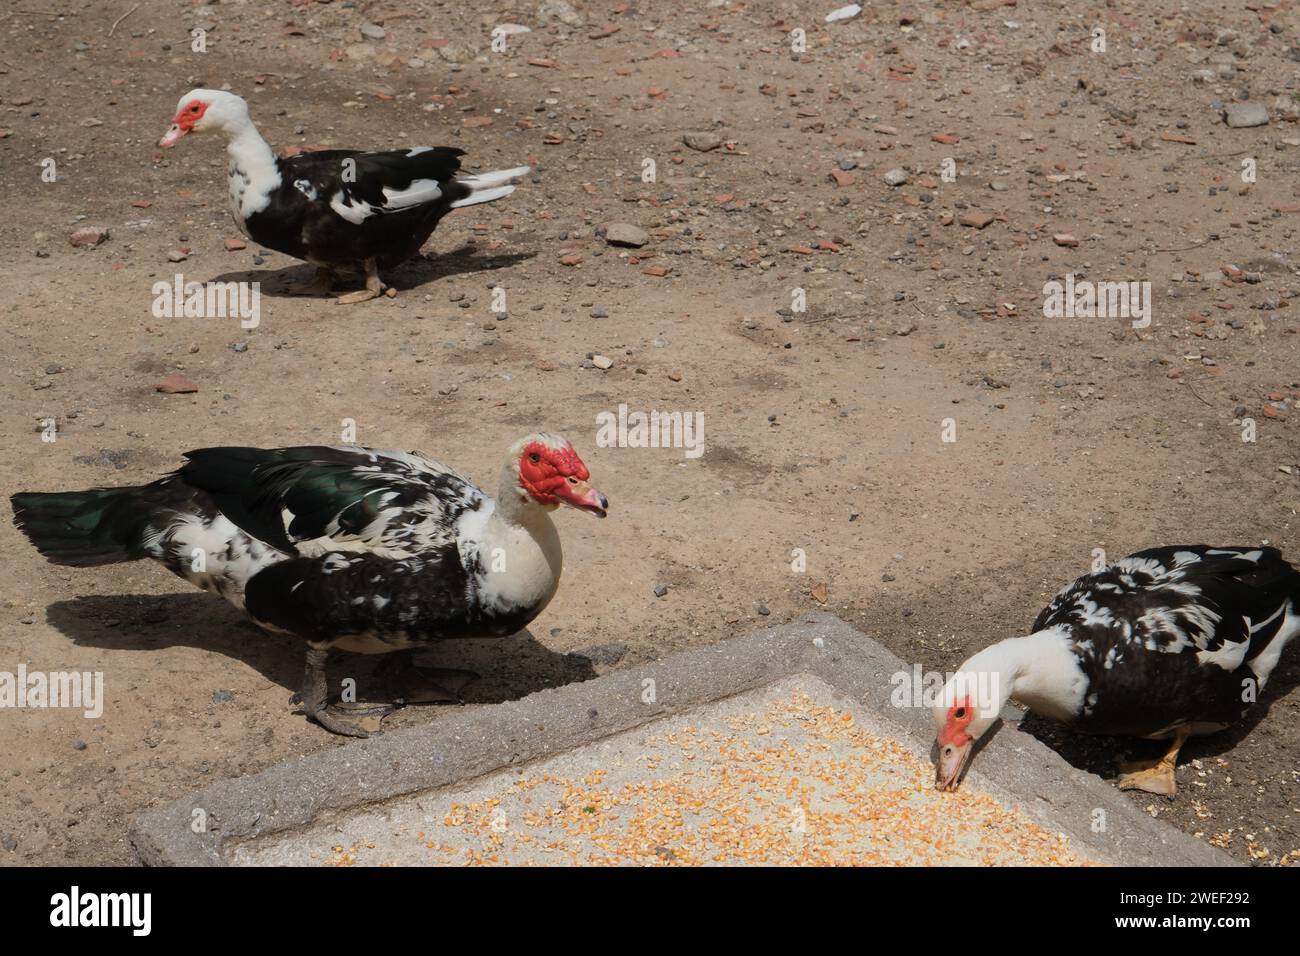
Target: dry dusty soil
{"points": [[824, 427]]}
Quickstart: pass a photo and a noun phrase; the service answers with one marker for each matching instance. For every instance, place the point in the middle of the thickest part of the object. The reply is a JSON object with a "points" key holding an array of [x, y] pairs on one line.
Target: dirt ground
{"points": [[824, 428]]}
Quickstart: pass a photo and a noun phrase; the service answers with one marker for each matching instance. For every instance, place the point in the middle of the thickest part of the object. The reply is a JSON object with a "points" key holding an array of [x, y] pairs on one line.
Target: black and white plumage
{"points": [[1173, 636], [347, 548], [1165, 644], [342, 210]]}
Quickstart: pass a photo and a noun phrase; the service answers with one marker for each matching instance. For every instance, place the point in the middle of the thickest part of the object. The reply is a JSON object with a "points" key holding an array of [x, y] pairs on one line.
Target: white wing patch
{"points": [[1267, 659], [1166, 622], [1094, 614], [1254, 555], [225, 555], [1229, 656], [355, 212], [420, 191]]}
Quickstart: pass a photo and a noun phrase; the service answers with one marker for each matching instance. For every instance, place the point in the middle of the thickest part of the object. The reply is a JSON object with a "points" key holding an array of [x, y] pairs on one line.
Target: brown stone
{"points": [[626, 234], [176, 384], [88, 236]]}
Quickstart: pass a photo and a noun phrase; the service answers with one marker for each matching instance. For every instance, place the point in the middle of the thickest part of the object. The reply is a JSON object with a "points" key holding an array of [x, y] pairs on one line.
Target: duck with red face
{"points": [[351, 549], [1166, 644], [343, 210]]}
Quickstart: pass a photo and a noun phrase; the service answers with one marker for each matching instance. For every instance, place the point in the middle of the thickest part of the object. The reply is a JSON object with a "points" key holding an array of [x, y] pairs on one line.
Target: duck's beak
{"points": [[581, 495], [952, 761], [172, 135]]}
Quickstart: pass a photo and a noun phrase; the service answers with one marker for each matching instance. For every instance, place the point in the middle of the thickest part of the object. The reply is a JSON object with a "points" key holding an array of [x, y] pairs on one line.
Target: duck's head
{"points": [[955, 741], [201, 111], [544, 469], [966, 710]]}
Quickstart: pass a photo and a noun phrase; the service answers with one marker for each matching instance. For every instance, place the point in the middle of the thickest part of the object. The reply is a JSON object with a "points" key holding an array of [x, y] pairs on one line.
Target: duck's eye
{"points": [[534, 458], [961, 712], [194, 108]]}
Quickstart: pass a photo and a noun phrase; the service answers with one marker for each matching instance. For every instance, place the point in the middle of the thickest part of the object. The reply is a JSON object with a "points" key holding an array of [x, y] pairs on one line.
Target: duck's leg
{"points": [[1157, 777], [315, 694], [323, 284], [373, 290]]}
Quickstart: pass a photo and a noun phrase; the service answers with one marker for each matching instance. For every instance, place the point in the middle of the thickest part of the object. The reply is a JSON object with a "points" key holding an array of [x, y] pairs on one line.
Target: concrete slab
{"points": [[686, 760], [789, 773]]}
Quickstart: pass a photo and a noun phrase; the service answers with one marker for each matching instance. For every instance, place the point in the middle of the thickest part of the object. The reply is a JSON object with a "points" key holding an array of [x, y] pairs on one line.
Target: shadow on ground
{"points": [[410, 276], [508, 668]]}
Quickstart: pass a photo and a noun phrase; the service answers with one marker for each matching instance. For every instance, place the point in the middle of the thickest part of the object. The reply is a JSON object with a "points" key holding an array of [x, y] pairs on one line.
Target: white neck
{"points": [[1038, 671], [250, 152], [514, 506], [519, 549]]}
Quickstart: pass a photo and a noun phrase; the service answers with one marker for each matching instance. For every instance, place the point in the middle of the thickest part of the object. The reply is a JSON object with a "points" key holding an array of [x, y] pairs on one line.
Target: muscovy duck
{"points": [[348, 548], [341, 210], [1165, 644]]}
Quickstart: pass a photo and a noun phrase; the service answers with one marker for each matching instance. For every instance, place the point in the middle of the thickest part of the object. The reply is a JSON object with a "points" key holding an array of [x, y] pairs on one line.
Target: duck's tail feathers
{"points": [[486, 187], [81, 528]]}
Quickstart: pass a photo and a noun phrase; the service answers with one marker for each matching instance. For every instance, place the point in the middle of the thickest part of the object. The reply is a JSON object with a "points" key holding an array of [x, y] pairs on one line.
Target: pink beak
{"points": [[172, 135], [581, 495], [952, 761]]}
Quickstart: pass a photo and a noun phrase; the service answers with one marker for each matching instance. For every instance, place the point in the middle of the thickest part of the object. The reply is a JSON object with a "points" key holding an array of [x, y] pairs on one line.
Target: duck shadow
{"points": [[422, 270], [1100, 755], [508, 667]]}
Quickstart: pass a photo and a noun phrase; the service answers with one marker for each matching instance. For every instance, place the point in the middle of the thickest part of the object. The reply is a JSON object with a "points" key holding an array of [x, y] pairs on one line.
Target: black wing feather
{"points": [[1146, 629], [328, 492], [345, 593], [372, 172]]}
